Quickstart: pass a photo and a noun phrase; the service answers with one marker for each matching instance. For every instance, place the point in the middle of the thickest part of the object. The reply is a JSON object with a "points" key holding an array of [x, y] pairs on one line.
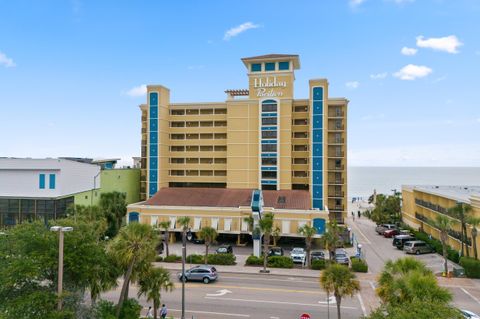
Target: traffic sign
{"points": [[305, 316]]}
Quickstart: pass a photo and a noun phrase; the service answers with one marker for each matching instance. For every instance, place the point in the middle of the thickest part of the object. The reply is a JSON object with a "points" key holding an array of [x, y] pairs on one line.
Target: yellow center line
{"points": [[252, 288]]}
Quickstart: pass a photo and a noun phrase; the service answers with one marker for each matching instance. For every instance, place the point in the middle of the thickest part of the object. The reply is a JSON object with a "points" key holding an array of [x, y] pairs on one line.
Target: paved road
{"points": [[252, 296], [466, 294]]}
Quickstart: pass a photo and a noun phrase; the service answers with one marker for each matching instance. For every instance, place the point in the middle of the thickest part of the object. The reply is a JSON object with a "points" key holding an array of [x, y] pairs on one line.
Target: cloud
{"points": [[352, 84], [408, 51], [448, 44], [136, 91], [412, 72], [356, 3], [378, 76], [6, 61], [233, 32]]}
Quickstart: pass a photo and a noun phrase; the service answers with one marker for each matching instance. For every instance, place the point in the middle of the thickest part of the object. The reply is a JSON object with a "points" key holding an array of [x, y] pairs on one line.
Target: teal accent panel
{"points": [[153, 98], [51, 181], [319, 224], [41, 181]]}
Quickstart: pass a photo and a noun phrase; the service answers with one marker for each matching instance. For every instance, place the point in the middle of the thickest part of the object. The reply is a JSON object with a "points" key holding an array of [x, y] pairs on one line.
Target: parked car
{"points": [[341, 257], [417, 247], [317, 255], [275, 251], [380, 229], [468, 314], [399, 240], [389, 233], [197, 240], [298, 255], [224, 249], [203, 273]]}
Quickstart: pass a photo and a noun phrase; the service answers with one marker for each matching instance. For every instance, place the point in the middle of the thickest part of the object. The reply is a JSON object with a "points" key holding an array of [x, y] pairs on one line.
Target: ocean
{"points": [[363, 180]]}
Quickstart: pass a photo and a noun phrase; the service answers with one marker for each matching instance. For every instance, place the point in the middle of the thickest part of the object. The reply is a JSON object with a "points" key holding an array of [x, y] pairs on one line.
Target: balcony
{"points": [[336, 194], [336, 167], [336, 181]]}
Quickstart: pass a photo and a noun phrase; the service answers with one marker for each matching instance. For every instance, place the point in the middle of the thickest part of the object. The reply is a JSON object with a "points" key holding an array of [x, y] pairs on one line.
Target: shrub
{"points": [[359, 265], [172, 258], [280, 262], [105, 310], [436, 244], [158, 258], [319, 264], [254, 261], [221, 259], [195, 259], [471, 266], [130, 309]]}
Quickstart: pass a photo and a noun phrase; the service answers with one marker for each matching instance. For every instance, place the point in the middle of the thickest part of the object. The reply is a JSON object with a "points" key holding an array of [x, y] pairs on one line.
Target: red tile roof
{"points": [[223, 197]]}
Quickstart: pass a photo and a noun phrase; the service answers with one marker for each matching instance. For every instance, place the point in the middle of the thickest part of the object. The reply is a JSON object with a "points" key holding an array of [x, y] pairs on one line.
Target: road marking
{"points": [[330, 300], [290, 279], [213, 313], [472, 296], [313, 292], [275, 302], [362, 305], [372, 285], [221, 292], [274, 317], [361, 233]]}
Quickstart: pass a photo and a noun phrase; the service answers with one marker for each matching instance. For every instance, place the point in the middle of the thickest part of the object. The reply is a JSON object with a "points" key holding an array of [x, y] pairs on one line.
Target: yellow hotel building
{"points": [[204, 160], [422, 204]]}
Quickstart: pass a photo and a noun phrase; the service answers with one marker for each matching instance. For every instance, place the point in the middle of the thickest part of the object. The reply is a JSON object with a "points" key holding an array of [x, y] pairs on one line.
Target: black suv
{"points": [[317, 255], [224, 249], [400, 240], [275, 251]]}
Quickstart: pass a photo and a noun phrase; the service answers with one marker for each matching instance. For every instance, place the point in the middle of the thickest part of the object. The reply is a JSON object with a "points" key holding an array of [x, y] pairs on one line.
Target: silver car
{"points": [[417, 247], [341, 257], [203, 273]]}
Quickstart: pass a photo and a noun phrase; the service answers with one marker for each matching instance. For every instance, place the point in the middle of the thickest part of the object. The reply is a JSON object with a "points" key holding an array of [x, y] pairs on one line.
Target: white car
{"points": [[469, 314], [298, 255]]}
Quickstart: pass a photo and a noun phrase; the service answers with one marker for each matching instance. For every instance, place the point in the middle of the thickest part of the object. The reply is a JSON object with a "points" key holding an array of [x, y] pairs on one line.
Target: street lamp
{"points": [[61, 230]]}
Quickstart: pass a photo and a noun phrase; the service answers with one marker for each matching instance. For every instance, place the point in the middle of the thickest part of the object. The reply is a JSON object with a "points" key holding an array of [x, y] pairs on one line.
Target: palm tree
{"points": [[407, 280], [184, 222], [341, 281], [444, 225], [461, 211], [166, 234], [133, 249], [474, 221], [331, 239], [276, 235], [265, 226], [114, 206], [308, 232], [152, 283], [209, 235], [249, 220]]}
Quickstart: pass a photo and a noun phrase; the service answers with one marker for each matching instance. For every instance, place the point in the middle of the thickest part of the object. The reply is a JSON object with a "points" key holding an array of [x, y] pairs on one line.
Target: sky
{"points": [[72, 73]]}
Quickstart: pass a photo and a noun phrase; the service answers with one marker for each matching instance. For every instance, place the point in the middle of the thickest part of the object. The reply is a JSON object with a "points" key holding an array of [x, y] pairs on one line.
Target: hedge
{"points": [[221, 259], [158, 258], [436, 244], [254, 261], [195, 259], [471, 266], [318, 264], [280, 262], [273, 261], [172, 258], [359, 265]]}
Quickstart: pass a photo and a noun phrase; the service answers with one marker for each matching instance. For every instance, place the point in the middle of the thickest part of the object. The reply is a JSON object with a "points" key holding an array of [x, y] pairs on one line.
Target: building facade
{"points": [[259, 138], [422, 204], [44, 188]]}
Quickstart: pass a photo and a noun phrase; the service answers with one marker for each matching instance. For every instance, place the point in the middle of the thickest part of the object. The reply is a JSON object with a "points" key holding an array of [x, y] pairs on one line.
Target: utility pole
{"points": [[61, 230]]}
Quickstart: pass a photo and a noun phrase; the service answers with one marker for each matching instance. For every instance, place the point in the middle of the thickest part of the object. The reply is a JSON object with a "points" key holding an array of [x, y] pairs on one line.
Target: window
{"points": [[285, 65], [269, 161], [177, 112], [220, 161], [220, 111], [269, 174], [269, 107], [301, 108], [206, 148], [220, 148], [269, 134], [192, 112], [177, 124], [51, 181], [192, 160], [269, 121], [269, 147], [300, 122], [256, 67], [270, 66], [41, 181], [206, 111]]}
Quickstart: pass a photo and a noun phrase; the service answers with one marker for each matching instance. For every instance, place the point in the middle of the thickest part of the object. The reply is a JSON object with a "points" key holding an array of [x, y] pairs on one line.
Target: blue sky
{"points": [[69, 69]]}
